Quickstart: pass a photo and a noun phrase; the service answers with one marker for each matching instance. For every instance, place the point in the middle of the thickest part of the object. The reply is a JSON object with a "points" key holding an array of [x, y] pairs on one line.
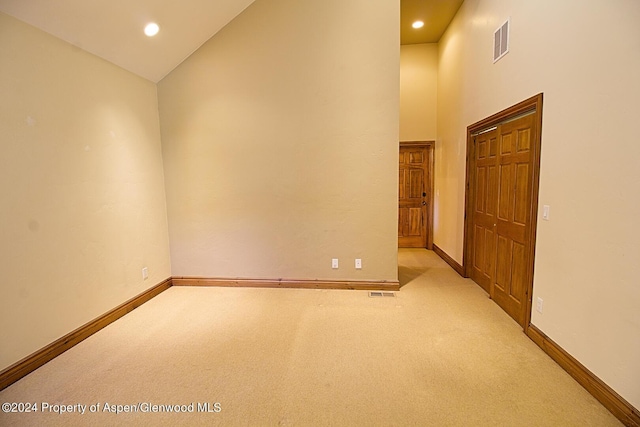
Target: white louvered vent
{"points": [[501, 41]]}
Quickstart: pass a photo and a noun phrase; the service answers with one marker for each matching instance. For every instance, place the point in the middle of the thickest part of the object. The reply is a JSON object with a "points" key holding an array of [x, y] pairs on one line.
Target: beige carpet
{"points": [[438, 354]]}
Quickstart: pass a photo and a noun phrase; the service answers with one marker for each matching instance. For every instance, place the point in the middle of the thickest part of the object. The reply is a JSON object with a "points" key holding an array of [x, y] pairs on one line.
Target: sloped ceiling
{"points": [[113, 30]]}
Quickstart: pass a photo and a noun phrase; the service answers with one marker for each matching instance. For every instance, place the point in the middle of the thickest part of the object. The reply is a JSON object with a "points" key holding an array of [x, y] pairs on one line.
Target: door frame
{"points": [[428, 184], [532, 104]]}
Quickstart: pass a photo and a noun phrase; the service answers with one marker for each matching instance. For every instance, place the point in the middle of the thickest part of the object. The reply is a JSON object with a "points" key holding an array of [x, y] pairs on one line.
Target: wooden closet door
{"points": [[483, 261], [501, 202], [513, 214]]}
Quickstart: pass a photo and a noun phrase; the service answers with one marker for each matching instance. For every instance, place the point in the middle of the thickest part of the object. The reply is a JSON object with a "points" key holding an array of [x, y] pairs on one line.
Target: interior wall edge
{"points": [[372, 285], [446, 258], [616, 404], [37, 359]]}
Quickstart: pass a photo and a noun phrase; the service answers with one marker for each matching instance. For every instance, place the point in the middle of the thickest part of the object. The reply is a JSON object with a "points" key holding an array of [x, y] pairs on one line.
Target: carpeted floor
{"points": [[439, 353]]}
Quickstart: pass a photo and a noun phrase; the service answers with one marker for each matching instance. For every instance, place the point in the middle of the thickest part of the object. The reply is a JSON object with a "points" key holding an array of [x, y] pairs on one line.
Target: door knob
{"points": [[424, 203]]}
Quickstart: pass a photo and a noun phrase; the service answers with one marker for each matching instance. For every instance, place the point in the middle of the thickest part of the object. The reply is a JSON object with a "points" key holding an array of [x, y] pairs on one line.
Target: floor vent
{"points": [[373, 294]]}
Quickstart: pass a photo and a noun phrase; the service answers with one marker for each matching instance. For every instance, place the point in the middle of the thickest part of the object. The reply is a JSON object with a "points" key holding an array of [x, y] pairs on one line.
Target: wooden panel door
{"points": [[483, 259], [413, 196], [513, 215], [503, 169]]}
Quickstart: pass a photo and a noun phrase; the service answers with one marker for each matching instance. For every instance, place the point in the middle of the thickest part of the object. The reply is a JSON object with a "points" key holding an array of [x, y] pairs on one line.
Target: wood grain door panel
{"points": [[502, 187], [513, 220], [414, 196], [484, 213]]}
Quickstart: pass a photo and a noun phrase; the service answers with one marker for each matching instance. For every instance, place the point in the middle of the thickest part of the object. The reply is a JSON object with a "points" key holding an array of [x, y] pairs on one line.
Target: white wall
{"points": [[585, 57], [82, 191], [418, 91], [280, 142]]}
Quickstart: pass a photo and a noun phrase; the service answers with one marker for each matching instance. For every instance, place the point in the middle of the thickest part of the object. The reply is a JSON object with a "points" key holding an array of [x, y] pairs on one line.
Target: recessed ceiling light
{"points": [[151, 29], [417, 24]]}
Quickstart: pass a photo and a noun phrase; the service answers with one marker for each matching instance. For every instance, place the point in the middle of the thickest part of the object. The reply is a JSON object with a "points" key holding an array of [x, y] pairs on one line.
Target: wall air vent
{"points": [[501, 41]]}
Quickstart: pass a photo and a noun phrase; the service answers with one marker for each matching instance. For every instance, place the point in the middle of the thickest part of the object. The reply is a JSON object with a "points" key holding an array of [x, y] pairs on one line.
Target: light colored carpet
{"points": [[440, 353]]}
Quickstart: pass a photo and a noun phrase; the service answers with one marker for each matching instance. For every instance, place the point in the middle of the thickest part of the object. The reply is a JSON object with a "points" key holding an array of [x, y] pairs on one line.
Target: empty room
{"points": [[319, 212]]}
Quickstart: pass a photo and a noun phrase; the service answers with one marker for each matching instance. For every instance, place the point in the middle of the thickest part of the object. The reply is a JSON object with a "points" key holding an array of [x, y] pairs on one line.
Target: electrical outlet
{"points": [[358, 264], [334, 263], [145, 273], [539, 303]]}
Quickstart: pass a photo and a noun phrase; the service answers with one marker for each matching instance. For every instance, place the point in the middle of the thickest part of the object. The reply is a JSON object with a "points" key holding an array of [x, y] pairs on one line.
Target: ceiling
{"points": [[113, 30], [436, 15]]}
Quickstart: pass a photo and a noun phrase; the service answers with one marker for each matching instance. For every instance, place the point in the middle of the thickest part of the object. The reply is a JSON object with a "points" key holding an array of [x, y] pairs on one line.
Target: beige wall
{"points": [[280, 141], [280, 154], [585, 57], [418, 91], [83, 205]]}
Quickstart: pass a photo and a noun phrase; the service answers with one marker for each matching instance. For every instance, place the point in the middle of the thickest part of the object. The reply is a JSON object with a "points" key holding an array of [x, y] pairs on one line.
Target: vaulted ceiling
{"points": [[113, 30]]}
